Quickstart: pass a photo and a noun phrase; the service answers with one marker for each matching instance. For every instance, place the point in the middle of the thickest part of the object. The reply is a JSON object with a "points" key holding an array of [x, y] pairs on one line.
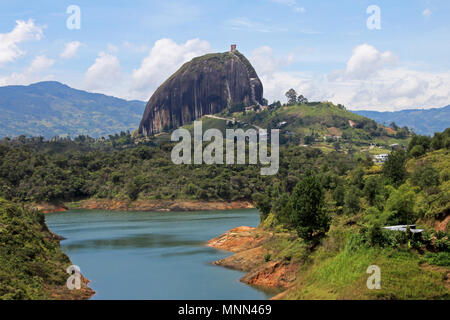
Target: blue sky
{"points": [[320, 48]]}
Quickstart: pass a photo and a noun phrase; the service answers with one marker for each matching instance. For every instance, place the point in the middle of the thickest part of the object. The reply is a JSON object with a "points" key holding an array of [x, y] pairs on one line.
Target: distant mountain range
{"points": [[52, 108], [425, 122]]}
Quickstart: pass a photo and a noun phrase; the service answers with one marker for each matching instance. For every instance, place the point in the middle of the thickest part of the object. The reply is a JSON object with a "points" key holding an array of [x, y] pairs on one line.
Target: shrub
{"points": [[417, 151], [439, 259], [425, 177], [351, 201], [443, 244]]}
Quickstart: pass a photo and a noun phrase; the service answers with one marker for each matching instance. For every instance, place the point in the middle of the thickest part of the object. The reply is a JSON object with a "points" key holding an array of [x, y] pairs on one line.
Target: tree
{"points": [[394, 168], [351, 200], [308, 216], [301, 99], [417, 140], [309, 140], [274, 105], [134, 187], [291, 95], [339, 195], [132, 190], [282, 209], [394, 126], [436, 142], [357, 177], [263, 203], [425, 176], [417, 151], [441, 140], [400, 206], [371, 189]]}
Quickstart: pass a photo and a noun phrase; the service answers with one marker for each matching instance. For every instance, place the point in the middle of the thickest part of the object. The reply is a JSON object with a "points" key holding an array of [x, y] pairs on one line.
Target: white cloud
{"points": [[30, 74], [70, 49], [359, 86], [427, 13], [164, 59], [406, 87], [23, 31], [264, 61], [104, 74], [40, 63], [395, 89], [292, 4], [366, 61], [268, 68]]}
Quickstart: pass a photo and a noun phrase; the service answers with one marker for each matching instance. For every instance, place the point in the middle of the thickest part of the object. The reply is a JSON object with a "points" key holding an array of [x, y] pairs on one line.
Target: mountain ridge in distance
{"points": [[51, 108], [423, 121]]}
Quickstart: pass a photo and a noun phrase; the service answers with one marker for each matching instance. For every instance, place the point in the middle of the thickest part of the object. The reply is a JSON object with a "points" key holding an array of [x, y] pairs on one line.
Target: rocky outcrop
{"points": [[250, 248], [273, 274], [48, 207], [205, 85], [239, 239]]}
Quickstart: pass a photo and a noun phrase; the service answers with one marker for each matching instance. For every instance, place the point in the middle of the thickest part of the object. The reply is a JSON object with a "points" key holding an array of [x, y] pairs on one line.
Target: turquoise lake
{"points": [[150, 255]]}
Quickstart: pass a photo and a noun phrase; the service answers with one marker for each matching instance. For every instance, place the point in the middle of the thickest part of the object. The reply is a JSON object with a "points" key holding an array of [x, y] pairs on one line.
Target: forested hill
{"points": [[32, 266], [52, 108], [316, 122], [423, 121]]}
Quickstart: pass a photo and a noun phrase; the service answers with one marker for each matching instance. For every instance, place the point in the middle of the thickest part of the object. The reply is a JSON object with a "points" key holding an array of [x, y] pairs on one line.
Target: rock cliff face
{"points": [[250, 246], [205, 85]]}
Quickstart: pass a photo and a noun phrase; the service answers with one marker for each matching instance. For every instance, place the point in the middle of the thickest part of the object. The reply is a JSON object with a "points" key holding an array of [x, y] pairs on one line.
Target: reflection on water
{"points": [[148, 255], [134, 241]]}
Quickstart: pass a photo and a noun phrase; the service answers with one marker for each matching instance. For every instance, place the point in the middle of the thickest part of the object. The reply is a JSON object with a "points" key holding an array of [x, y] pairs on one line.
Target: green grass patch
{"points": [[344, 276]]}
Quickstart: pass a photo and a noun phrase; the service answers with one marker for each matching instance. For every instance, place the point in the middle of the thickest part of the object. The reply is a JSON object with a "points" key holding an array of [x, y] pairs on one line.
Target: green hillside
{"points": [[324, 125], [413, 266], [325, 207], [32, 266], [131, 166], [51, 108]]}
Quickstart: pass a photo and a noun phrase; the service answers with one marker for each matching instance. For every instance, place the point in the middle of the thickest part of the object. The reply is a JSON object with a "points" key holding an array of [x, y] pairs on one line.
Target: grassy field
{"points": [[337, 269]]}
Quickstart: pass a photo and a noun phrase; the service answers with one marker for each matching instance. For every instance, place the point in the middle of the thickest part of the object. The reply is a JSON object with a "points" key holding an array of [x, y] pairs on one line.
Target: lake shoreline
{"points": [[142, 205], [253, 257], [153, 251]]}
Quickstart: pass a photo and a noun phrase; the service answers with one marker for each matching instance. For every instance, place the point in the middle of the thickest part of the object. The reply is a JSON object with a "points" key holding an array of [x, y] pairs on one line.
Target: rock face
{"points": [[250, 246], [205, 85]]}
